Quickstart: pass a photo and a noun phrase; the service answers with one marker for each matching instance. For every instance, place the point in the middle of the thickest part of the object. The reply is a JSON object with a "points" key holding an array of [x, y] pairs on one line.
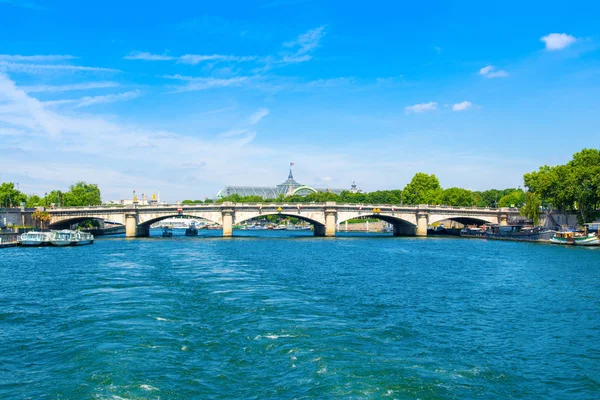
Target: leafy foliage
{"points": [[574, 186], [9, 196]]}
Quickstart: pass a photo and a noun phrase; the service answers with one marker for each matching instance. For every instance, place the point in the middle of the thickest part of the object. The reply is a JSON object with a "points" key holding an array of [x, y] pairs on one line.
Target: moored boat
{"points": [[34, 239], [83, 238], [576, 238], [473, 232], [519, 233], [63, 238], [191, 230]]}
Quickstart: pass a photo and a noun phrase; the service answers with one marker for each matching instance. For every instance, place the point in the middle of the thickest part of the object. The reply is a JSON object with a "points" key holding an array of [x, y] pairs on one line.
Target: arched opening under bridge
{"points": [[400, 227]]}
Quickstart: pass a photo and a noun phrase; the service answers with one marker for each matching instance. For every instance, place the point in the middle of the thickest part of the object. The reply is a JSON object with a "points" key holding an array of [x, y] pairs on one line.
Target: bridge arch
{"points": [[465, 220], [146, 224], [394, 220], [68, 222], [246, 217]]}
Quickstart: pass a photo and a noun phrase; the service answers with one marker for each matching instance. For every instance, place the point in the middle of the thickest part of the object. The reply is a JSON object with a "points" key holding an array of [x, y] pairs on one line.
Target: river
{"points": [[287, 315]]}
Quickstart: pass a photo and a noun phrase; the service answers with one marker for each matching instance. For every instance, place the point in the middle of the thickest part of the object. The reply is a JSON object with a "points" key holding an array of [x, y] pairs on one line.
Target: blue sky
{"points": [[187, 97]]}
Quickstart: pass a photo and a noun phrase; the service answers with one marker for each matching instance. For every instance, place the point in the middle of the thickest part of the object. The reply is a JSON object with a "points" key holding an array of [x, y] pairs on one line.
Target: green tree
{"points": [[83, 194], [422, 189], [9, 196], [516, 198], [574, 186], [55, 197], [34, 201], [531, 209], [457, 197]]}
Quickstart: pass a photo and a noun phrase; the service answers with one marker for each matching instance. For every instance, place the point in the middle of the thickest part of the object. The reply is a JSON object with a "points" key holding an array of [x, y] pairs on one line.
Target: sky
{"points": [[186, 97]]}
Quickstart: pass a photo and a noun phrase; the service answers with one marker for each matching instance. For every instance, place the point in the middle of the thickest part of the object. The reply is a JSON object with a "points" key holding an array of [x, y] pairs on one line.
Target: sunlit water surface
{"points": [[287, 315]]}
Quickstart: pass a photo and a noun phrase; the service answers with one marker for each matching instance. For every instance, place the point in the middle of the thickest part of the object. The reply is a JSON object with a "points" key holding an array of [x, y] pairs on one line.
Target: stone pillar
{"points": [[131, 220], [404, 230], [422, 224], [330, 219], [227, 223], [503, 218]]}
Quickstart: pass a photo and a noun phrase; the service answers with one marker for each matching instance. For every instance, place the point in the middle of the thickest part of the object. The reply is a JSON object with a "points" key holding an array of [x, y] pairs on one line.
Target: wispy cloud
{"points": [[462, 106], [93, 100], [36, 58], [192, 59], [304, 44], [205, 83], [68, 88], [142, 55], [198, 58], [421, 108], [258, 116], [557, 41], [490, 72], [37, 68]]}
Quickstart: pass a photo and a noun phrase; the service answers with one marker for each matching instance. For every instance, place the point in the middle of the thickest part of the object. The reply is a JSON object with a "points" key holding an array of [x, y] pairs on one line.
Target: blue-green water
{"points": [[281, 316]]}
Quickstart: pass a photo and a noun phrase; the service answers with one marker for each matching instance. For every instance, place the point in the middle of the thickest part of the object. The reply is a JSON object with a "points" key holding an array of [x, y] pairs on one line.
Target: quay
{"points": [[325, 217]]}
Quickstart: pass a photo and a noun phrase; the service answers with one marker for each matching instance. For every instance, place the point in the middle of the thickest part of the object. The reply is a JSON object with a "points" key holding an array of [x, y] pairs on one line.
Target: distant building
{"points": [[288, 188]]}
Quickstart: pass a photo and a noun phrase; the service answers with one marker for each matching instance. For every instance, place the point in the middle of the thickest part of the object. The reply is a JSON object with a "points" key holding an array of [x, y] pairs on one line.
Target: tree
{"points": [[34, 201], [574, 186], [531, 209], [457, 197], [422, 189], [9, 196], [516, 198], [83, 194], [41, 217]]}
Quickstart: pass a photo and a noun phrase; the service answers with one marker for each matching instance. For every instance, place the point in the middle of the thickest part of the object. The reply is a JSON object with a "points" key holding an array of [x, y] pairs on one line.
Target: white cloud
{"points": [[304, 44], [491, 72], [421, 108], [198, 58], [557, 41], [67, 88], [36, 58], [308, 40], [92, 100], [197, 83], [192, 59], [257, 116], [36, 68], [462, 106], [142, 55]]}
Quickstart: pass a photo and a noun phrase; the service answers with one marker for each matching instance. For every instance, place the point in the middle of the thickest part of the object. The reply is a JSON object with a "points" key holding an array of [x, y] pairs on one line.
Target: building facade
{"points": [[288, 188]]}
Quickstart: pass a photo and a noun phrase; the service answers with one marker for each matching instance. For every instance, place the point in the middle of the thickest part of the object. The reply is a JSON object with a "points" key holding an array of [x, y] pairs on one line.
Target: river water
{"points": [[287, 315]]}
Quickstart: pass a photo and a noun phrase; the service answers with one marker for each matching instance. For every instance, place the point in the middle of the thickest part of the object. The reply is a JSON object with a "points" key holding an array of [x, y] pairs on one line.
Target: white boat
{"points": [[63, 238], [576, 238], [34, 239], [280, 228], [84, 238], [256, 227]]}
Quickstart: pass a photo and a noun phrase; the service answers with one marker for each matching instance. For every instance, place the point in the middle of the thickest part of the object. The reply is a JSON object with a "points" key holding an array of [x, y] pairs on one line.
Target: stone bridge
{"points": [[406, 220]]}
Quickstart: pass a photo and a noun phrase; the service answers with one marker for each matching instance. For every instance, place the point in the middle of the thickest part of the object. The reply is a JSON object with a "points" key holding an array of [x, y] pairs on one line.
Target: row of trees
{"points": [[422, 189], [79, 194], [574, 186]]}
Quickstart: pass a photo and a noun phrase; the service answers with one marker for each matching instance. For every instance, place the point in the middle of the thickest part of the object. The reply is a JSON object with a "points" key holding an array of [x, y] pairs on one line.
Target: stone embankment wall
{"points": [[362, 227], [16, 216]]}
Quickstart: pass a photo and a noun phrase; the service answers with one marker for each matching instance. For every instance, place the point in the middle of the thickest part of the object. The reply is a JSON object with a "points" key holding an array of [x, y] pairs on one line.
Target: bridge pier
{"points": [[131, 222], [422, 219], [503, 218], [227, 223]]}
